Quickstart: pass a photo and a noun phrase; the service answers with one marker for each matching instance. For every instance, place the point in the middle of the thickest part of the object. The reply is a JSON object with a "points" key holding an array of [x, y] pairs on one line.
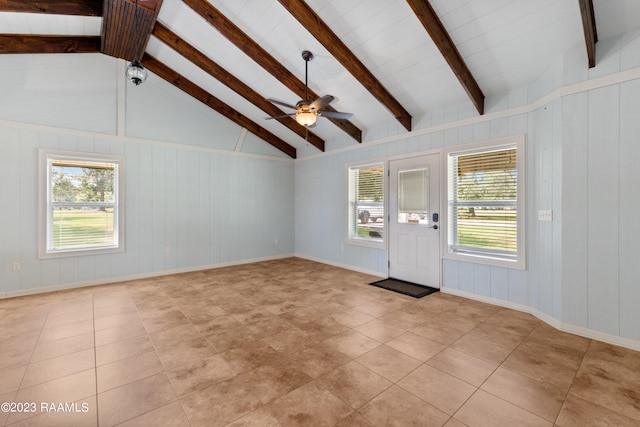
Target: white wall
{"points": [[582, 131], [209, 207]]}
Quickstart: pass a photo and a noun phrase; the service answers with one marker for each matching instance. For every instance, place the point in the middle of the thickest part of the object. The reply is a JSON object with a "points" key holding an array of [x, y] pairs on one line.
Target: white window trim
{"points": [[520, 262], [43, 155], [381, 244]]}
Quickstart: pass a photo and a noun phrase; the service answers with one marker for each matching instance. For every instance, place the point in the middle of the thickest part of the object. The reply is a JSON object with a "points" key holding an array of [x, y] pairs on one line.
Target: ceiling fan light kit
{"points": [[307, 111]]}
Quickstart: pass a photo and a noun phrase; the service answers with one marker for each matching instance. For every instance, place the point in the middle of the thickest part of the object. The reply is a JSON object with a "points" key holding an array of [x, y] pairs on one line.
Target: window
{"points": [[486, 204], [80, 204], [366, 204]]}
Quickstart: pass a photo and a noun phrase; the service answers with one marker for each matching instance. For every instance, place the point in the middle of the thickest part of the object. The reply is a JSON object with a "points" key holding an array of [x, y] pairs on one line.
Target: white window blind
{"points": [[366, 202], [81, 207], [483, 202]]}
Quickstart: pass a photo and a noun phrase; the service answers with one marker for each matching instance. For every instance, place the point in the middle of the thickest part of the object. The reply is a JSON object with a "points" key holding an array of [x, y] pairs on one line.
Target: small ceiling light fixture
{"points": [[135, 71]]}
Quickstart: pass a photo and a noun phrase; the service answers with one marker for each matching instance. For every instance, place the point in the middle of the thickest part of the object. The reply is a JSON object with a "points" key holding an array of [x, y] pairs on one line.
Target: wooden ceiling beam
{"points": [[590, 31], [449, 51], [127, 26], [208, 99], [56, 7], [263, 58], [192, 54], [321, 31], [28, 43]]}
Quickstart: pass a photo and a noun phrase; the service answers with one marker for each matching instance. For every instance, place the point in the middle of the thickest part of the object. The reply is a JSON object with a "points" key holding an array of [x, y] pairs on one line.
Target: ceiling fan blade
{"points": [[284, 104], [335, 115], [322, 102], [280, 116]]}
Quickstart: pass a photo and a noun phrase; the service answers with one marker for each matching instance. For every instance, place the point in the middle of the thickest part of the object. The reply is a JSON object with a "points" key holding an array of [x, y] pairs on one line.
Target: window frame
{"points": [[44, 188], [351, 237], [519, 262]]}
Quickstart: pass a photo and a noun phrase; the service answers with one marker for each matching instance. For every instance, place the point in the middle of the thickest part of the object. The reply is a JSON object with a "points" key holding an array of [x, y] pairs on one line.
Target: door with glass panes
{"points": [[414, 223]]}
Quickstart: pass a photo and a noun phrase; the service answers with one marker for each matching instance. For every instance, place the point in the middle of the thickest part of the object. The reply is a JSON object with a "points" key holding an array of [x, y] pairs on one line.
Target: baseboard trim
{"points": [[116, 279], [339, 265], [552, 321]]}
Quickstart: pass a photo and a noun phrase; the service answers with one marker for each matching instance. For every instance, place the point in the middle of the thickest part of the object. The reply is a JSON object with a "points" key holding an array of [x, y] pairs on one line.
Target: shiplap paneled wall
{"points": [[582, 152], [188, 203]]}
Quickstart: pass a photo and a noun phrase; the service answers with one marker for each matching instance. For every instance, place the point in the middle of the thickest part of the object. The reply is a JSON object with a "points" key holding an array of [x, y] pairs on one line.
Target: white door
{"points": [[414, 223]]}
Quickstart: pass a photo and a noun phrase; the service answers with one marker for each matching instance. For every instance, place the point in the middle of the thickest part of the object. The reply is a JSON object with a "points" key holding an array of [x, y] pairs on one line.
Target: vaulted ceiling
{"points": [[386, 61]]}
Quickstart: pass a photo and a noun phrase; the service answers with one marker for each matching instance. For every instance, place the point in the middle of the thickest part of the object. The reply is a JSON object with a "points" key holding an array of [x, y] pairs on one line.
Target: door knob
{"points": [[435, 227]]}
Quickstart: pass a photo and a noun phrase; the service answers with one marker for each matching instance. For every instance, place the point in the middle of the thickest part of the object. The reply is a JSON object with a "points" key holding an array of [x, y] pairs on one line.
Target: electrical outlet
{"points": [[15, 266], [167, 250], [277, 242], [545, 215]]}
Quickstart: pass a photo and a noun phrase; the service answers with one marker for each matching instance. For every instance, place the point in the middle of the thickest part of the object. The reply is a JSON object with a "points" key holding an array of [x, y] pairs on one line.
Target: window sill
{"points": [[369, 243], [487, 260]]}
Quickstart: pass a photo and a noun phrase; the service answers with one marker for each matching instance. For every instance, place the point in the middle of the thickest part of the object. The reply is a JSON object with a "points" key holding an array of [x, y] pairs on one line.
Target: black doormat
{"points": [[406, 288]]}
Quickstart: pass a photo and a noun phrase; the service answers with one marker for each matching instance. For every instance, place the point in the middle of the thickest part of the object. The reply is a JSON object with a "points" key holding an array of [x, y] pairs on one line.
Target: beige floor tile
{"points": [[439, 332], [354, 384], [82, 413], [126, 371], [542, 399], [224, 339], [416, 346], [134, 399], [289, 341], [184, 352], [479, 346], [484, 409], [119, 333], [124, 349], [11, 378], [398, 408], [352, 344], [169, 337], [388, 362], [308, 405], [116, 320], [541, 369], [65, 319], [71, 388], [577, 412], [66, 331], [260, 417], [199, 375], [168, 415], [318, 359], [353, 420], [253, 355], [463, 366], [609, 384], [165, 320], [454, 423], [351, 319], [111, 310], [236, 397], [437, 388], [379, 330], [61, 347], [57, 367]]}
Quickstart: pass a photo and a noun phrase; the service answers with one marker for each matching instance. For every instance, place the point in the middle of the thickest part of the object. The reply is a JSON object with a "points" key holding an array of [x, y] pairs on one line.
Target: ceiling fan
{"points": [[308, 111]]}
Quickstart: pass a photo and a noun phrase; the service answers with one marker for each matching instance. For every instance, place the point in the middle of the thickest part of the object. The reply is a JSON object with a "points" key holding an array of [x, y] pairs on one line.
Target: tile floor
{"points": [[297, 343]]}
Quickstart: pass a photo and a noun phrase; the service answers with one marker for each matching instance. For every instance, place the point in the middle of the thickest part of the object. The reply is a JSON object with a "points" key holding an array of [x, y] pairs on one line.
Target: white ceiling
{"points": [[506, 44]]}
